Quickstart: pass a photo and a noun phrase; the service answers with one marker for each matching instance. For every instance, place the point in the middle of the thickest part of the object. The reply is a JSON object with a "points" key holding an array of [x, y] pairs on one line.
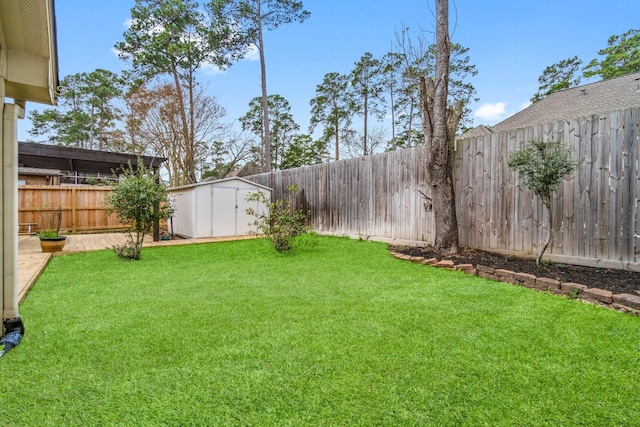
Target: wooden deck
{"points": [[32, 261]]}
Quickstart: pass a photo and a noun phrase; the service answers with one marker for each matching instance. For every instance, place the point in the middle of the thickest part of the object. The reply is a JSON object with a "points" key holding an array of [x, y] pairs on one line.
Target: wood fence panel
{"points": [[615, 189], [83, 207], [603, 208], [556, 133], [517, 235], [629, 194], [530, 225], [635, 124]]}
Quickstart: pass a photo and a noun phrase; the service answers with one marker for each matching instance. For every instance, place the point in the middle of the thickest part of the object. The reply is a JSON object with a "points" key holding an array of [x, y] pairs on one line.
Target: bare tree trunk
{"points": [[337, 130], [547, 206], [192, 134], [265, 99], [393, 119], [366, 114], [189, 173], [439, 147]]}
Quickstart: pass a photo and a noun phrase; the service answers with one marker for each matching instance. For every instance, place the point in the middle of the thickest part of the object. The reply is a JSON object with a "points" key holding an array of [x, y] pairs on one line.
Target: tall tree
{"points": [[174, 38], [366, 81], [282, 131], [154, 124], [251, 18], [561, 75], [87, 115], [419, 60], [621, 56], [440, 123], [391, 80], [331, 108]]}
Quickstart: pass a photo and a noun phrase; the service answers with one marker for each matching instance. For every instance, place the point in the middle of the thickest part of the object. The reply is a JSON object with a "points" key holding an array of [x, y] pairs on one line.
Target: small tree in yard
{"points": [[542, 166], [138, 201], [280, 223]]}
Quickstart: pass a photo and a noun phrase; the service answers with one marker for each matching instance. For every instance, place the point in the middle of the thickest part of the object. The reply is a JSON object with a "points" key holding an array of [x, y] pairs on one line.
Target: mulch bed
{"points": [[616, 281]]}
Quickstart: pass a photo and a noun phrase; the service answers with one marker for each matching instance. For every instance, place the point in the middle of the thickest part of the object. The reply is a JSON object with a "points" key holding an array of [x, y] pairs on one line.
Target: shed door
{"points": [[224, 211], [245, 221]]}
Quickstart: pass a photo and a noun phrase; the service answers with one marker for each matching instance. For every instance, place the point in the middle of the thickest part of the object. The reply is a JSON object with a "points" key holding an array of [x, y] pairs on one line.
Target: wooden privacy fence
{"points": [[83, 207], [596, 208], [369, 196]]}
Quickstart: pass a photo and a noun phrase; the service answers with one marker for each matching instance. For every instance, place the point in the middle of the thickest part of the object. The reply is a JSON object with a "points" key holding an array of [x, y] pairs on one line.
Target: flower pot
{"points": [[52, 244]]}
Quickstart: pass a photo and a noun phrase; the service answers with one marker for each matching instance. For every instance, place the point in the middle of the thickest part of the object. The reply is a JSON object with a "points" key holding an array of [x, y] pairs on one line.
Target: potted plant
{"points": [[50, 238]]}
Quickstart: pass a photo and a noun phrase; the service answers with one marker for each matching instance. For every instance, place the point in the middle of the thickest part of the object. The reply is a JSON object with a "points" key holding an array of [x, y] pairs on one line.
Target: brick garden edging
{"points": [[625, 303]]}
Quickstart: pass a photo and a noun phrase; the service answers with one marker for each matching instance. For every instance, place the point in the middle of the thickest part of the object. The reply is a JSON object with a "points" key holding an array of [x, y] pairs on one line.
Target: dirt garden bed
{"points": [[616, 281]]}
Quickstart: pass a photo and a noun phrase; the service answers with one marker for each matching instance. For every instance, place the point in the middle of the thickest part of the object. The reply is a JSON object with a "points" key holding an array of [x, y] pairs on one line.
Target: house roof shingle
{"points": [[605, 96]]}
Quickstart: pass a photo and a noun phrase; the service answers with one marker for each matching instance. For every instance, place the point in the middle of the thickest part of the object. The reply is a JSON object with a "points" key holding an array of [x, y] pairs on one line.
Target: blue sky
{"points": [[510, 42]]}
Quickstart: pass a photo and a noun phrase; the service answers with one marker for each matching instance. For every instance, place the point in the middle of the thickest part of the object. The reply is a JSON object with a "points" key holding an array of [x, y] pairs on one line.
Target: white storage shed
{"points": [[216, 208]]}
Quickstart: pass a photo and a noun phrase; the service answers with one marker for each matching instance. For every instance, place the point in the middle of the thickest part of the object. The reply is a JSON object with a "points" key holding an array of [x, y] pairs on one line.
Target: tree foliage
{"points": [[87, 115], [621, 56], [561, 75], [283, 127], [331, 108], [542, 166], [249, 19], [139, 201], [304, 151], [174, 38], [367, 86], [154, 125]]}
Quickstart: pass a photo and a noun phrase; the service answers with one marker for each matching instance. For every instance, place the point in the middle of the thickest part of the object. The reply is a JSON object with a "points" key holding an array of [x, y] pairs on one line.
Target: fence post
{"points": [[74, 194]]}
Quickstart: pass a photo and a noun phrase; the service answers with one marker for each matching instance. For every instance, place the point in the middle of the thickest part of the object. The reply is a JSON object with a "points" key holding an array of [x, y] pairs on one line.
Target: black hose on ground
{"points": [[14, 332]]}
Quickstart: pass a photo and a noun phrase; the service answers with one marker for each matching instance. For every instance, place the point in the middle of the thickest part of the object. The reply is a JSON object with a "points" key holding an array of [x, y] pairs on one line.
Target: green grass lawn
{"points": [[336, 334]]}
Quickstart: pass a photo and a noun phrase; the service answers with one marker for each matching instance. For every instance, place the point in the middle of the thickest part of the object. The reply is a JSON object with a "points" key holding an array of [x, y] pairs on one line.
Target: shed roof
{"points": [[220, 181]]}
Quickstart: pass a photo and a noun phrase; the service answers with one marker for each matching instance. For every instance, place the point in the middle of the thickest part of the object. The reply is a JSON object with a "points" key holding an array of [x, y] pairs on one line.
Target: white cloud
{"points": [[115, 52], [253, 54], [211, 70], [491, 111], [127, 23]]}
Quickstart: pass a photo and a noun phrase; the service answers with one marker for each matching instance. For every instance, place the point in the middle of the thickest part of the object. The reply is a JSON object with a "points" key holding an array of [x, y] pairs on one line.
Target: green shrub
{"points": [[280, 223], [138, 201], [542, 166]]}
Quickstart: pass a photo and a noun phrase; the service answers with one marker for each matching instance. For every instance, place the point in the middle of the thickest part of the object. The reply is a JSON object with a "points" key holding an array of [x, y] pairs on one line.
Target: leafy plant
{"points": [[138, 201], [542, 166], [280, 223]]}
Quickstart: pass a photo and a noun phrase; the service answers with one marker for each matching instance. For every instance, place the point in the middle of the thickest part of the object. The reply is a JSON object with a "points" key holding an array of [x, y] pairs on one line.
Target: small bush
{"points": [[139, 201], [280, 223]]}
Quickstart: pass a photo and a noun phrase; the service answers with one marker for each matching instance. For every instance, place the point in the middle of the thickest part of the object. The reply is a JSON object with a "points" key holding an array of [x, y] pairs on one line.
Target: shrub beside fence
{"points": [[83, 207]]}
